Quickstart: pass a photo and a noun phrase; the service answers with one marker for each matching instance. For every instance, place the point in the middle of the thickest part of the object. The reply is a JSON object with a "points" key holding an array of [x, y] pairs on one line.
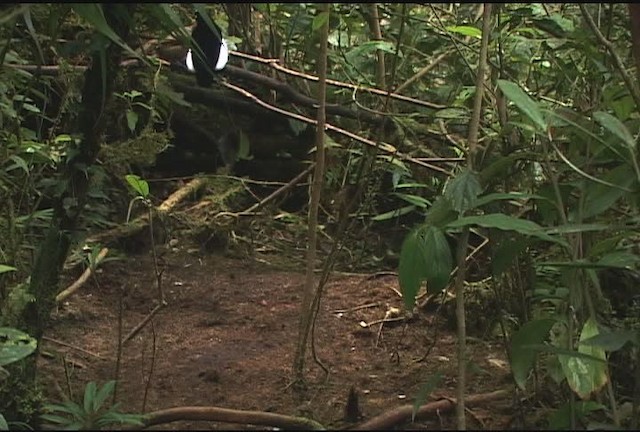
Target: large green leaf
{"points": [[465, 31], [425, 255], [619, 259], [616, 127], [522, 356], [102, 395], [586, 376], [612, 341], [14, 345], [5, 268], [89, 397], [527, 105], [94, 15], [561, 418], [411, 271], [319, 20], [499, 196], [505, 252], [463, 190], [441, 212], [425, 390], [439, 261], [600, 197], [506, 223]]}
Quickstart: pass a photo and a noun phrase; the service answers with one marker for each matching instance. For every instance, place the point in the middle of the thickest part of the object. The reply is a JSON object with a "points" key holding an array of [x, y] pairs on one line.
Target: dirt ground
{"points": [[227, 339]]}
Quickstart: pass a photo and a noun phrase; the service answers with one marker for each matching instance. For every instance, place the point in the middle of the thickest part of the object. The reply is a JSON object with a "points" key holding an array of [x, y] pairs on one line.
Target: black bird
{"points": [[213, 46]]}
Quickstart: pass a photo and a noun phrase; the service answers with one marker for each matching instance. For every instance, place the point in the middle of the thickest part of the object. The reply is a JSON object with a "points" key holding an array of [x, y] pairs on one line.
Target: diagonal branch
{"points": [[616, 58]]}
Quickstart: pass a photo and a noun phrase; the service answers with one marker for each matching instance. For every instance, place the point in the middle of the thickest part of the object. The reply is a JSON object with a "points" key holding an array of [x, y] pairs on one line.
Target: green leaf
{"points": [[94, 15], [619, 259], [75, 426], [354, 55], [5, 268], [577, 228], [453, 113], [103, 394], [586, 376], [244, 149], [3, 423], [425, 391], [171, 21], [112, 417], [527, 105], [416, 200], [506, 223], [505, 252], [463, 190], [441, 212], [522, 356], [319, 20], [139, 185], [412, 269], [393, 213], [52, 418], [465, 31], [18, 162], [600, 197], [498, 196], [15, 345], [439, 261], [561, 418], [612, 341], [89, 397], [425, 255], [616, 127], [132, 120]]}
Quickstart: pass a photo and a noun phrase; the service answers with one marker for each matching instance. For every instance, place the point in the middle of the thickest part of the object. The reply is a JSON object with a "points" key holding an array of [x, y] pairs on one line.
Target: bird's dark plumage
{"points": [[213, 46]]}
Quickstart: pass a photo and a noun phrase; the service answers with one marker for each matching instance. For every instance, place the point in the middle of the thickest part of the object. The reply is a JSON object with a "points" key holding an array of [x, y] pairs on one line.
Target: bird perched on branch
{"points": [[210, 52]]}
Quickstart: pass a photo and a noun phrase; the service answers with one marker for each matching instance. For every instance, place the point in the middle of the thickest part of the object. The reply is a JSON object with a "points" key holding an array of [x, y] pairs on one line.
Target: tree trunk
{"points": [[18, 394]]}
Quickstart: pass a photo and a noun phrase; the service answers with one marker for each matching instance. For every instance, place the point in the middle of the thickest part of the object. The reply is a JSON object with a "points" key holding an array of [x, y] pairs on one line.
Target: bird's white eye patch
{"points": [[223, 57], [189, 62]]}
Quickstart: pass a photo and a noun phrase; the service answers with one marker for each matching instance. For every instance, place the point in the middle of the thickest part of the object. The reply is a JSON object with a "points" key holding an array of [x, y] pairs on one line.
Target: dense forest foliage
{"points": [[487, 153]]}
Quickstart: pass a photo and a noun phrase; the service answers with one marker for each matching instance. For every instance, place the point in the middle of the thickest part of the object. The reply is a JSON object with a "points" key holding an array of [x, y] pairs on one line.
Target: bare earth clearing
{"points": [[228, 335]]}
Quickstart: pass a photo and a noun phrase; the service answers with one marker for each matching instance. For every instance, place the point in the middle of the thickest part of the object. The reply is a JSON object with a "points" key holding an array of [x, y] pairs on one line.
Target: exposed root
{"points": [[225, 415], [403, 414]]}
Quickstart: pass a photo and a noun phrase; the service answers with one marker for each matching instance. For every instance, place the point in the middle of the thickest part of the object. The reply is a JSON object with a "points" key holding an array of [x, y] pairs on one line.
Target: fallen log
{"points": [[142, 221]]}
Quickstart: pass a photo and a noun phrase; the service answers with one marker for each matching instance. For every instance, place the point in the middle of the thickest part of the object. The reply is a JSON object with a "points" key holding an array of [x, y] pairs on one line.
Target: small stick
{"points": [[387, 148], [274, 64], [144, 322], [356, 308], [83, 278], [385, 320], [59, 342], [251, 211]]}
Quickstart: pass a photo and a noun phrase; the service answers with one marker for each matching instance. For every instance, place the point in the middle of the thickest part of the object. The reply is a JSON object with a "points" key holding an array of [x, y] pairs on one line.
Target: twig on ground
{"points": [[83, 278], [144, 322], [356, 308], [77, 348], [251, 210]]}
